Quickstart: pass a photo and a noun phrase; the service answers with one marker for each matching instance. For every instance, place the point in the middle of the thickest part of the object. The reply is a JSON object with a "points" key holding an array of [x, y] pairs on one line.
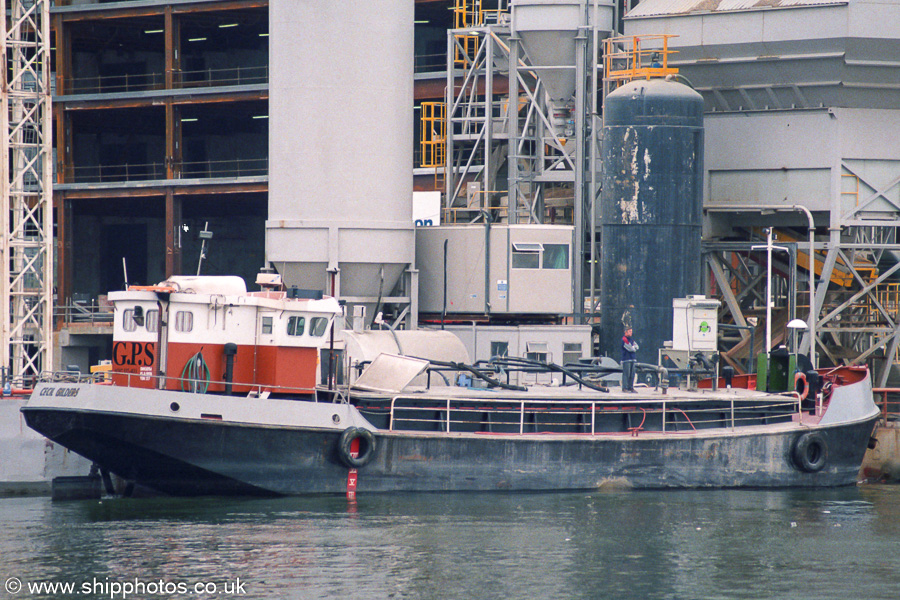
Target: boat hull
{"points": [[197, 456]]}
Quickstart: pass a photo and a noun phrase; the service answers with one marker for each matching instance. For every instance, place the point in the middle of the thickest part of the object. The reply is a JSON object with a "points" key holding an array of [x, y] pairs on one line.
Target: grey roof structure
{"points": [[676, 7]]}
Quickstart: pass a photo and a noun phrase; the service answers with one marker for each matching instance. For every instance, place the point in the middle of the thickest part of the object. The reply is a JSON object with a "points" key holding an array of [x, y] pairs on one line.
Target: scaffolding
{"points": [[27, 217], [521, 147]]}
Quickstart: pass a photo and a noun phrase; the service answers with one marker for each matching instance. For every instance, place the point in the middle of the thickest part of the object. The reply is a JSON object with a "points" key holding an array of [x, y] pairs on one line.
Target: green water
{"points": [[842, 543]]}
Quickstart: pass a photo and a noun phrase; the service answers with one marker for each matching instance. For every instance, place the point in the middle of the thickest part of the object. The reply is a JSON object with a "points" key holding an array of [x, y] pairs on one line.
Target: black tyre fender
{"points": [[366, 447], [810, 452]]}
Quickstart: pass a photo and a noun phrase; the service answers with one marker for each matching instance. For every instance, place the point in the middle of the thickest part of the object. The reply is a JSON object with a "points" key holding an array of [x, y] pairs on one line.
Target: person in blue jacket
{"points": [[629, 357]]}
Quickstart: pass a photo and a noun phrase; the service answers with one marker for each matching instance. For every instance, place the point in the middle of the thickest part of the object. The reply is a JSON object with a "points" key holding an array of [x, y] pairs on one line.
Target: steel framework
{"points": [[507, 155], [27, 212]]}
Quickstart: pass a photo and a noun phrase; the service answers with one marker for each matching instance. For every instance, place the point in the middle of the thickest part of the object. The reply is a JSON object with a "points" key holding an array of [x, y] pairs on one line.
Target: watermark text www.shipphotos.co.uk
{"points": [[116, 589]]}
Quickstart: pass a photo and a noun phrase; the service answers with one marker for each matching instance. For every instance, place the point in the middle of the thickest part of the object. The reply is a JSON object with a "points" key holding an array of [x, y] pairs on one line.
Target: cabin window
{"points": [[499, 349], [571, 352], [556, 256], [184, 321], [526, 256], [540, 256], [128, 323], [266, 327], [296, 325], [152, 320], [317, 326], [537, 351]]}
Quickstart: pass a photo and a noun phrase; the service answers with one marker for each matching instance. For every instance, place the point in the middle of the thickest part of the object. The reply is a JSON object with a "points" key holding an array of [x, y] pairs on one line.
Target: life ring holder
{"points": [[798, 378], [810, 452], [366, 447]]}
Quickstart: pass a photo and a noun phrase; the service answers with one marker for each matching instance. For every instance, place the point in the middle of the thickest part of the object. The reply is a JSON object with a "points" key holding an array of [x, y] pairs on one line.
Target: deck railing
{"points": [[149, 381], [660, 415]]}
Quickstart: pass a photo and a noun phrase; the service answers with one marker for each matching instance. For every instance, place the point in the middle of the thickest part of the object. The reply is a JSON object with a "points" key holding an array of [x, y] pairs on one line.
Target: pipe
{"points": [[812, 263], [333, 273], [768, 293], [444, 307], [229, 350], [487, 261], [811, 321]]}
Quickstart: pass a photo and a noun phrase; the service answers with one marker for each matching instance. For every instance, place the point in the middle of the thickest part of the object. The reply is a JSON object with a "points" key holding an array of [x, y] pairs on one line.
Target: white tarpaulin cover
{"points": [[390, 373]]}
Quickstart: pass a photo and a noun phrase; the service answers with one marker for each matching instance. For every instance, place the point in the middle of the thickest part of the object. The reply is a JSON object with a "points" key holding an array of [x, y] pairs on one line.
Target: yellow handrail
{"points": [[472, 13], [628, 58]]}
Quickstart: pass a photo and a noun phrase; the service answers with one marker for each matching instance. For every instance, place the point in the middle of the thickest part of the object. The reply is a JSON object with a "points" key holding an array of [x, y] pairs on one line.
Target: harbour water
{"points": [[837, 543]]}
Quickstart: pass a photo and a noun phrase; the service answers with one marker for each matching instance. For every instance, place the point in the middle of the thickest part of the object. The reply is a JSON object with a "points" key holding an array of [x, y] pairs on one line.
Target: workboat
{"points": [[217, 390]]}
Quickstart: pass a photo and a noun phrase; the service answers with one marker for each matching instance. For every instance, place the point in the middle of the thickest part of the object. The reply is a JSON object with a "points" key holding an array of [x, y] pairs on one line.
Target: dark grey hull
{"points": [[198, 457]]}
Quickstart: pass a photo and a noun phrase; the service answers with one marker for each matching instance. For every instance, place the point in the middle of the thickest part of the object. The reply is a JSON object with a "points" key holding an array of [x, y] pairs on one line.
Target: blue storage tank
{"points": [[650, 210]]}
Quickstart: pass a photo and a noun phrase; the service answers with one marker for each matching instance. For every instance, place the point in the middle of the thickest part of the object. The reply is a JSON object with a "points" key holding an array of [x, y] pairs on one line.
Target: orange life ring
{"points": [[801, 377]]}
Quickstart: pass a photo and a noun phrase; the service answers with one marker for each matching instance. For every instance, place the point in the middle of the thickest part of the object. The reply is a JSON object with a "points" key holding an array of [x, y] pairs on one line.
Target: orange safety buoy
{"points": [[800, 385]]}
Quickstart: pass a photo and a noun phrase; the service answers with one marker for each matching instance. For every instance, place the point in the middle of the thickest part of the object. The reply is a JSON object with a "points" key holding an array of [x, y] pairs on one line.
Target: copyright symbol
{"points": [[13, 585]]}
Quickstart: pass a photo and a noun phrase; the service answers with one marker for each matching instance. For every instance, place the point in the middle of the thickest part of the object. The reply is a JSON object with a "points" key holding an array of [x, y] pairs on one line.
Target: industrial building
{"points": [[801, 114], [161, 117], [161, 135], [174, 119]]}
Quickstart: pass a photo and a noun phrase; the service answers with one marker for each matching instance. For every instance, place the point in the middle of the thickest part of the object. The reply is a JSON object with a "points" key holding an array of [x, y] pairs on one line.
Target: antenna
{"points": [[205, 236]]}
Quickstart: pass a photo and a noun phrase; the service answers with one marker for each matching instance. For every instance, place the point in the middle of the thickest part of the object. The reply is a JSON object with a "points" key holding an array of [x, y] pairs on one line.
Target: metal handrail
{"points": [[115, 173], [237, 167], [430, 63], [111, 84], [75, 312], [890, 407], [132, 378], [225, 76], [691, 409]]}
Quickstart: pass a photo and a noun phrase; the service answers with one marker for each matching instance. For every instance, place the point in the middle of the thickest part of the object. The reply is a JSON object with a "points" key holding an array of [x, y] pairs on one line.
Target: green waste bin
{"points": [[777, 373]]}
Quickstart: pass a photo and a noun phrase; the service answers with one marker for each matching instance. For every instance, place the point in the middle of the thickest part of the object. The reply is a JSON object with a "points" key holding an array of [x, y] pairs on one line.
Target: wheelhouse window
{"points": [[128, 322], [318, 326], [296, 325], [266, 326], [184, 321], [152, 320]]}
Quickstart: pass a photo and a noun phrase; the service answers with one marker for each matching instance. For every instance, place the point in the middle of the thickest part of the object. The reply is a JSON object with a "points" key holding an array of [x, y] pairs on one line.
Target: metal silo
{"points": [[340, 146], [548, 30], [651, 209]]}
